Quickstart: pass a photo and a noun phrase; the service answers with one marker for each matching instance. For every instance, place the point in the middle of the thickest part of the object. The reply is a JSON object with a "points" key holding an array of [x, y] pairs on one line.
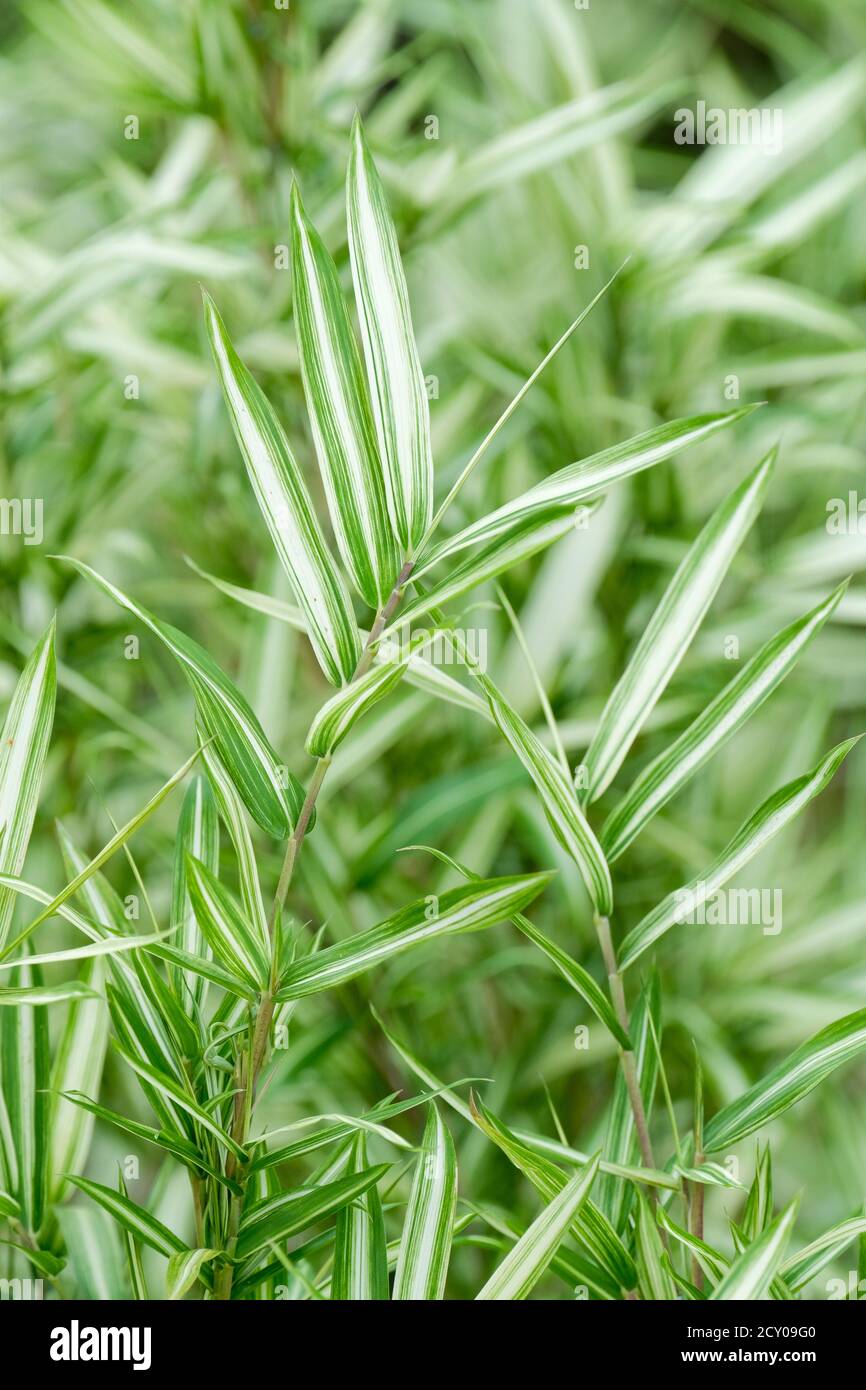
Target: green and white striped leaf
{"points": [[133, 1218], [197, 835], [524, 1265], [621, 1141], [752, 1272], [25, 1073], [428, 1226], [590, 1227], [46, 994], [95, 1252], [709, 1175], [670, 630], [557, 796], [340, 417], [518, 541], [759, 1208], [788, 1082], [673, 768], [397, 391], [224, 927], [286, 505], [184, 1269], [23, 746], [119, 838], [571, 970], [77, 1066], [471, 908], [579, 481], [360, 1248], [182, 1098], [277, 1218], [234, 818], [770, 817], [656, 1283], [227, 718], [337, 717], [799, 1269]]}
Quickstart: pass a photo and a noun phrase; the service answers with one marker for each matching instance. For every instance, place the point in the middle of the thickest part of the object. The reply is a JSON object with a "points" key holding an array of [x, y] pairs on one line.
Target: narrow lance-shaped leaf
{"points": [[672, 627], [621, 1141], [684, 904], [673, 768], [272, 799], [337, 717], [340, 418], [25, 1070], [524, 1265], [428, 1226], [470, 908], [224, 927], [787, 1083], [798, 1269], [397, 390], [587, 478], [77, 1066], [23, 746], [131, 1216], [655, 1280], [287, 508], [557, 796], [277, 1218], [184, 1269], [360, 1248], [232, 812], [198, 835], [752, 1272]]}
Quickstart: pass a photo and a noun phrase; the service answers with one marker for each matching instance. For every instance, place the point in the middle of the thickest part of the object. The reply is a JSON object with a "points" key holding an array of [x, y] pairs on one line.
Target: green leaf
{"points": [[226, 717], [230, 936], [655, 1281], [428, 1226], [95, 1252], [46, 994], [621, 1142], [673, 625], [277, 1218], [557, 797], [674, 767], [184, 1269], [397, 389], [23, 746], [758, 1211], [799, 1269], [198, 835], [770, 817], [524, 1265], [337, 717], [579, 481], [232, 812], [340, 417], [131, 1217], [787, 1083], [752, 1272], [470, 908], [77, 1066], [25, 1072], [286, 505], [360, 1249], [181, 1097]]}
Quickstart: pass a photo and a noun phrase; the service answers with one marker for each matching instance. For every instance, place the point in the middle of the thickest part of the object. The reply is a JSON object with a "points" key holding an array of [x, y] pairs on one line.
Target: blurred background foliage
{"points": [[148, 147]]}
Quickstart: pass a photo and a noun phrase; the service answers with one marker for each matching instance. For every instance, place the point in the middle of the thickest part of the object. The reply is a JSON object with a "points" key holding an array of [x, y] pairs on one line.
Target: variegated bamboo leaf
{"points": [[428, 1226], [338, 716], [197, 835], [360, 1249], [752, 1272], [230, 936]]}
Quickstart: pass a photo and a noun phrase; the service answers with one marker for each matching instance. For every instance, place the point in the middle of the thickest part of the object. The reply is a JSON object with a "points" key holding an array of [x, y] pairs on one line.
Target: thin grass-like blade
{"points": [[197, 835], [77, 1066], [360, 1249], [25, 1071], [229, 935], [287, 508], [428, 1227], [524, 1265], [752, 1272], [621, 1142], [184, 1269], [181, 1097], [23, 746], [772, 815], [673, 768], [471, 908], [787, 1083], [340, 417], [397, 391], [655, 1281], [272, 799], [557, 797], [587, 478], [672, 627], [798, 1269]]}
